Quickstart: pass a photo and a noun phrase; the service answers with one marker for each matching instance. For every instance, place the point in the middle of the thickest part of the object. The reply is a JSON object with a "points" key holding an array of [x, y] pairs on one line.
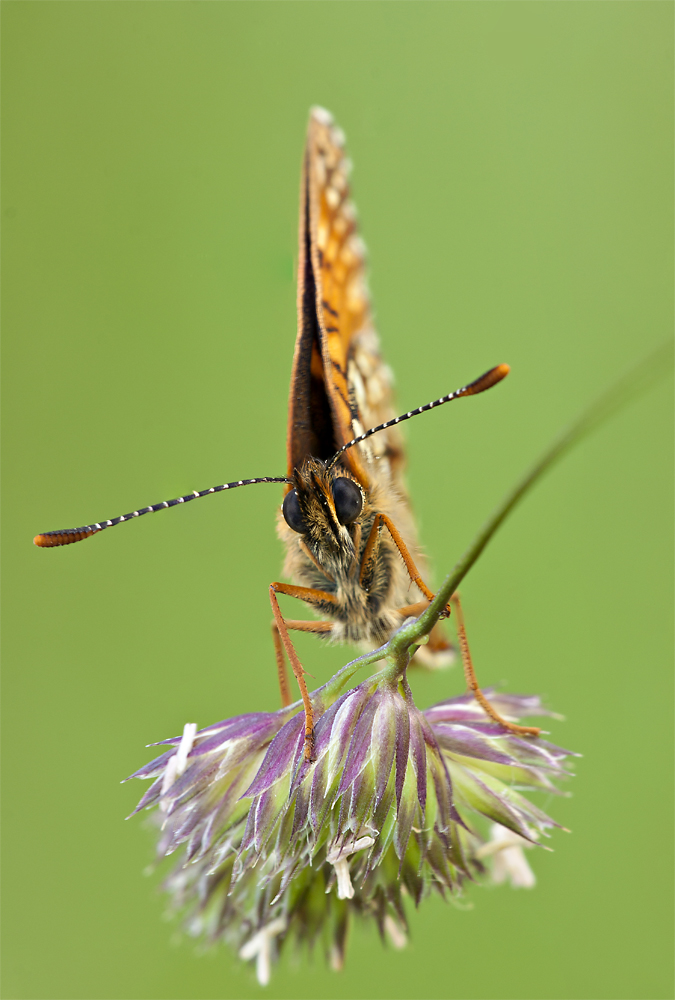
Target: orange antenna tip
{"points": [[491, 378], [486, 381], [44, 541], [51, 539]]}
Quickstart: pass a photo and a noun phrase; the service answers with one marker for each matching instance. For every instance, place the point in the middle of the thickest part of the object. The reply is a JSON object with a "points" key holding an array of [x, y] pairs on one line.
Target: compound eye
{"points": [[348, 500], [292, 513]]}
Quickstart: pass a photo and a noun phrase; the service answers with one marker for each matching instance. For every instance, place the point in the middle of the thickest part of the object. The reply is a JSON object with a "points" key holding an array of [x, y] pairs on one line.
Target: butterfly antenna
{"points": [[70, 535], [485, 381]]}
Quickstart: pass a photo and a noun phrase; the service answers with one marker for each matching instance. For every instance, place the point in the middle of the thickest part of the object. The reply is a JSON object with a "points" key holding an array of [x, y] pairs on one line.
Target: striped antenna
{"points": [[70, 535], [485, 381]]}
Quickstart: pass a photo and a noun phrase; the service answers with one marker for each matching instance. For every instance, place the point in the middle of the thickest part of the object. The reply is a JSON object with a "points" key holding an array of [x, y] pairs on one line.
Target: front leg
{"points": [[282, 641], [316, 628], [371, 551]]}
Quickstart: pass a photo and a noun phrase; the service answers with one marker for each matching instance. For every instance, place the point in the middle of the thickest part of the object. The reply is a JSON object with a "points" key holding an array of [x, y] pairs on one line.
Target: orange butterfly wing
{"points": [[339, 386]]}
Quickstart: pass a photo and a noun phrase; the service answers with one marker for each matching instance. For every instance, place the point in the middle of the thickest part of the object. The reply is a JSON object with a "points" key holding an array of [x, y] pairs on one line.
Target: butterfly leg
{"points": [[284, 689], [471, 681], [370, 553], [298, 626], [413, 610], [282, 641]]}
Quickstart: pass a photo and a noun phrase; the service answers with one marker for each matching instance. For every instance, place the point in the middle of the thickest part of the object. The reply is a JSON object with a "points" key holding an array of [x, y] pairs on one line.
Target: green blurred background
{"points": [[514, 181]]}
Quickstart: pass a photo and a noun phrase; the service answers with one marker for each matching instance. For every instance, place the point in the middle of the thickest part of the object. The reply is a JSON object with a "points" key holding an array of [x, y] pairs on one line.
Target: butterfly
{"points": [[346, 523]]}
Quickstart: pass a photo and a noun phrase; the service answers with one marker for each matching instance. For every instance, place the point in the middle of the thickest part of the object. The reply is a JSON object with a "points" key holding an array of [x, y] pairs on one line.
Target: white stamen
{"points": [[168, 780], [337, 857], [184, 747], [176, 764], [509, 862], [259, 947]]}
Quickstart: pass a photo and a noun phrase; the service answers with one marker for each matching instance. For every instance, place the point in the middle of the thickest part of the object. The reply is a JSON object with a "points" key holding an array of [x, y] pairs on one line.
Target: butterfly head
{"points": [[324, 505]]}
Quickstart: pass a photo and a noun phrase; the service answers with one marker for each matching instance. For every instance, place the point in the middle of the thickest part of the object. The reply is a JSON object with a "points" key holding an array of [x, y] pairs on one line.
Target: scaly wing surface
{"points": [[340, 385]]}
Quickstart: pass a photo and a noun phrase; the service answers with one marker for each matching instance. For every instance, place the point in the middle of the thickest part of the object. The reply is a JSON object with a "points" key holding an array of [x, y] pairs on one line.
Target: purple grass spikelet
{"points": [[396, 803]]}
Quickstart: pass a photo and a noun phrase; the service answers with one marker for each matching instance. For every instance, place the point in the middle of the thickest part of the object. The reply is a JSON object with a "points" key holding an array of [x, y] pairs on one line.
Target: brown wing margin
{"points": [[310, 418]]}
